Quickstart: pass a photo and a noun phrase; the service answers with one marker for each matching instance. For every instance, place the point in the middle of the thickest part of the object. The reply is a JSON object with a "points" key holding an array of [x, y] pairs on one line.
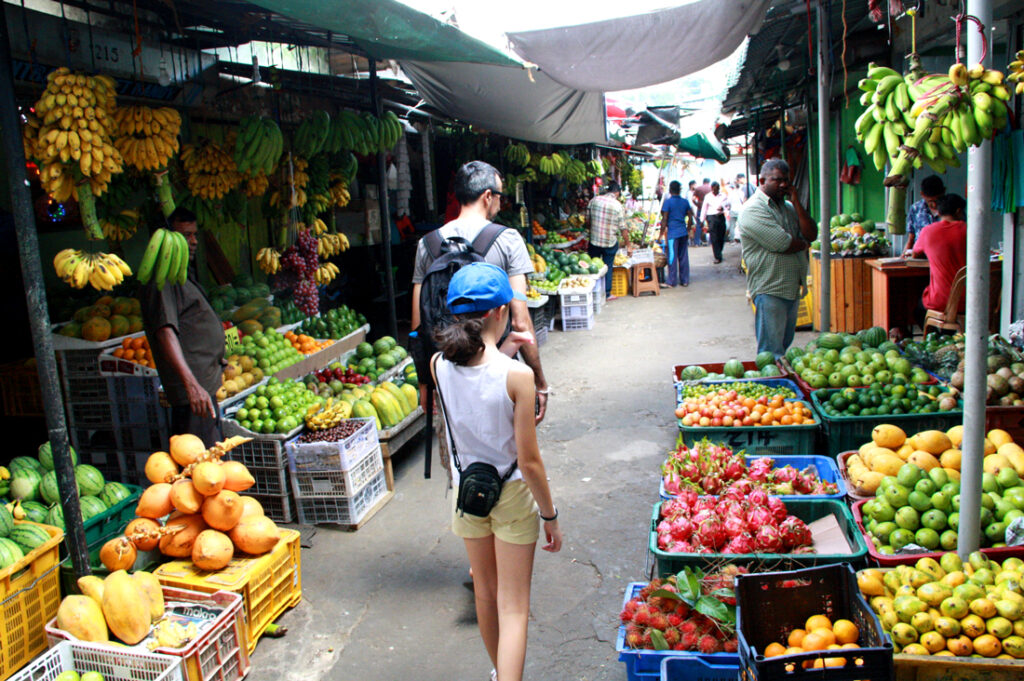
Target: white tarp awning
{"points": [[644, 49], [506, 101]]}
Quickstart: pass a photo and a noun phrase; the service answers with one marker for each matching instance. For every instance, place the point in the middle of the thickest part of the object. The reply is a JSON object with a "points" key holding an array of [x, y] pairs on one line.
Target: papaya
{"points": [[247, 311], [134, 323], [248, 326], [71, 330], [118, 325], [154, 593], [96, 329], [81, 617], [121, 306], [100, 310], [412, 395], [386, 406], [92, 586], [406, 405], [121, 594]]}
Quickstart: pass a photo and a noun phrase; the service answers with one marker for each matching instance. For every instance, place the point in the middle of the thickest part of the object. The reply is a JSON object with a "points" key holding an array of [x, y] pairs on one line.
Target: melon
{"points": [[91, 507], [763, 359], [48, 489], [770, 371], [6, 521], [873, 337], [34, 511], [733, 368], [96, 329], [45, 456], [693, 373], [90, 480], [118, 325], [28, 536], [114, 493], [830, 341], [10, 553], [25, 484], [20, 463], [55, 516]]}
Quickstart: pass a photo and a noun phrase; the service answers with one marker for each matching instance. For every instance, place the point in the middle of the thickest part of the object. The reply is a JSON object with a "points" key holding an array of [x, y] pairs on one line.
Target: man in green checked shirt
{"points": [[776, 234]]}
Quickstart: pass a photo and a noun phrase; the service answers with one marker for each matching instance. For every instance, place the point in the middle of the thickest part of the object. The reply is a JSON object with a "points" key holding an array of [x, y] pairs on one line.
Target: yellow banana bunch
{"points": [[290, 182], [5, 474], [122, 226], [318, 227], [256, 185], [540, 265], [1016, 75], [331, 244], [168, 634], [325, 274], [269, 260], [325, 416], [339, 194], [211, 170], [148, 137], [103, 271]]}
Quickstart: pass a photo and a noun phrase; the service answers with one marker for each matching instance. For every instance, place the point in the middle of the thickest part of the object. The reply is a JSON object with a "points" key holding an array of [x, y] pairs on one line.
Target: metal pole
{"points": [[385, 209], [39, 316], [979, 190], [824, 235]]}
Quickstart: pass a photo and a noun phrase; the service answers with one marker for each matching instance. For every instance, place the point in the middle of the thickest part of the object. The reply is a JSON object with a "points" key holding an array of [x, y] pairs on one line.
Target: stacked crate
{"points": [[90, 415], [577, 310], [142, 424]]}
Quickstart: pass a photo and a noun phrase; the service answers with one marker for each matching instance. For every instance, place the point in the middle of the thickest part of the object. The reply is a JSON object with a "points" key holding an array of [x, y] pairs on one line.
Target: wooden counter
{"points": [[850, 298]]}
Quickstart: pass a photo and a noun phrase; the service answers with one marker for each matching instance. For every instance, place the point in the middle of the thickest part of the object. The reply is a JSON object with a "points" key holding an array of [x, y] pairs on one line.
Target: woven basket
{"points": [[660, 259]]}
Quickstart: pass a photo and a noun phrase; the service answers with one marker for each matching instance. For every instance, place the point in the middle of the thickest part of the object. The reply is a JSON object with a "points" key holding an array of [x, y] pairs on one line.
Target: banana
{"points": [[958, 74], [867, 84], [873, 138], [182, 271], [887, 84], [168, 249], [877, 73], [150, 255]]}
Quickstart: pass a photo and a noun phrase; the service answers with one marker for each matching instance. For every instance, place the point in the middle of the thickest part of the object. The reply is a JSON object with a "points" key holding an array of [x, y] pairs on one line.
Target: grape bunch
{"points": [[292, 260], [306, 297]]}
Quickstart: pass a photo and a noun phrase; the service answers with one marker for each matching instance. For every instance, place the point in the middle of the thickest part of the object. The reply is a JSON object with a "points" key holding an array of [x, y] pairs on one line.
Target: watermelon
{"points": [[90, 480], [10, 553], [28, 536], [770, 371], [693, 373], [830, 341], [114, 493], [751, 373], [55, 516], [873, 337], [763, 359], [34, 511], [91, 507], [6, 521], [48, 488], [793, 353], [25, 484], [733, 368], [20, 463], [45, 456], [850, 339], [887, 346]]}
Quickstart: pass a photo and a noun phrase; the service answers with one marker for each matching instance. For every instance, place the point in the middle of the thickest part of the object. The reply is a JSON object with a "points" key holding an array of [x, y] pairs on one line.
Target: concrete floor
{"points": [[388, 602]]}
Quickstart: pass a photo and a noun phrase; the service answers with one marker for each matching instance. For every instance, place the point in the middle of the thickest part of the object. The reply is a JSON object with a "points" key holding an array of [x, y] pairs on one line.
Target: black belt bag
{"points": [[480, 484]]}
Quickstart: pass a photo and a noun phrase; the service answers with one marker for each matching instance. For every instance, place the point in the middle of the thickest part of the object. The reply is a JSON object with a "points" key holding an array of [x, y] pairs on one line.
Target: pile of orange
{"points": [[136, 350], [819, 633], [307, 345], [778, 412]]}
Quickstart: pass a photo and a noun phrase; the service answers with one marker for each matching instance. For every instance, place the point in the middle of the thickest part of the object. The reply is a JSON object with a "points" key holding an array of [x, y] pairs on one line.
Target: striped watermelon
{"points": [[48, 488], [6, 521], [45, 455], [10, 553], [114, 493], [28, 536], [20, 463], [25, 484], [90, 480], [34, 511], [55, 516], [91, 507]]}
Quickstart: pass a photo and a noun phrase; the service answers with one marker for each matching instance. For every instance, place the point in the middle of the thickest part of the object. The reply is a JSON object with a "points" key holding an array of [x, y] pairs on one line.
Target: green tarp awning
{"points": [[703, 146], [386, 29]]}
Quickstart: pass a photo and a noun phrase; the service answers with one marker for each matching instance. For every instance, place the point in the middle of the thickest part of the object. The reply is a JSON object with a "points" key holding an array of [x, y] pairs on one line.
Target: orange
{"points": [[796, 637], [845, 631], [128, 354], [817, 622], [794, 650], [826, 634], [774, 649], [138, 342], [119, 352], [126, 343], [815, 641]]}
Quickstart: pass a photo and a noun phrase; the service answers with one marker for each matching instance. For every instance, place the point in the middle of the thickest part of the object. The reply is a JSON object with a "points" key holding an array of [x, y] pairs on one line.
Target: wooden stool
{"points": [[645, 278]]}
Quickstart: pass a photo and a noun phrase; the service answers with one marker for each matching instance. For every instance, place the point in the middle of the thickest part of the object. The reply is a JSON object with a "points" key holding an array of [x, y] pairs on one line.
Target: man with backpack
{"points": [[472, 236]]}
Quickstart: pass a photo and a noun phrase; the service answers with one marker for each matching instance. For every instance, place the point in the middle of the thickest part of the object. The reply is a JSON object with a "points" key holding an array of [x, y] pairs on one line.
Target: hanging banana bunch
{"points": [[255, 184], [1016, 75], [518, 154], [147, 137], [212, 172], [290, 182], [325, 273], [269, 260], [331, 244], [122, 226], [102, 271]]}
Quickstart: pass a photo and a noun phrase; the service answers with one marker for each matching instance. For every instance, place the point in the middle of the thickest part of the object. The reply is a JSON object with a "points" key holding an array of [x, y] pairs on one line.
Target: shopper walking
{"points": [[776, 235], [736, 199], [607, 224], [487, 399], [676, 221], [699, 193], [713, 211]]}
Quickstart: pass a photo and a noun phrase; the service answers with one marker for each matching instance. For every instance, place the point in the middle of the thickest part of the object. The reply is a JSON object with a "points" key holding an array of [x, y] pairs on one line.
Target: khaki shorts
{"points": [[513, 519]]}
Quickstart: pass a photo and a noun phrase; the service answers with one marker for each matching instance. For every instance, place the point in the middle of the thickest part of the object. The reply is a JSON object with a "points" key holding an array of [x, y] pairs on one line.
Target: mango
{"points": [[932, 441], [81, 617]]}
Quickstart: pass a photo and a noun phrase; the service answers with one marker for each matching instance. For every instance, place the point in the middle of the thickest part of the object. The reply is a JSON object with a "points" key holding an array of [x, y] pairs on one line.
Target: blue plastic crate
{"points": [[693, 668], [758, 440], [770, 382], [828, 471], [647, 664]]}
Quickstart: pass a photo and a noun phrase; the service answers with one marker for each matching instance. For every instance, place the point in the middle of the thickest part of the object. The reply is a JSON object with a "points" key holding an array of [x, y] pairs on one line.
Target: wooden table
{"points": [[850, 295], [897, 288]]}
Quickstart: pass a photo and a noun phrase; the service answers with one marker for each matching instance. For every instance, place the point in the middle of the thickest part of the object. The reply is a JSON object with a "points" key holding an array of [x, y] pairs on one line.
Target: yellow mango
{"points": [[121, 599], [81, 617]]}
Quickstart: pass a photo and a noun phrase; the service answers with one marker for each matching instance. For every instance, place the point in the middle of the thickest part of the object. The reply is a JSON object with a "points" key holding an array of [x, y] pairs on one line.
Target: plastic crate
{"points": [[585, 324], [573, 299], [757, 440], [29, 597], [599, 295], [90, 415], [124, 389], [334, 456], [111, 522], [334, 483], [851, 488], [695, 668], [137, 413], [846, 433], [260, 452], [20, 393], [276, 507], [620, 281], [77, 363], [145, 560], [91, 389], [342, 510], [114, 664], [770, 605], [647, 664], [826, 469], [269, 481], [770, 382], [995, 553], [806, 510], [269, 584], [217, 655]]}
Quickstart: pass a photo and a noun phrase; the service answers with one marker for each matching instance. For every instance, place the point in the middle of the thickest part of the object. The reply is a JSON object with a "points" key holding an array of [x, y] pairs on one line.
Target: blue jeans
{"points": [[678, 269], [608, 256], [774, 323]]}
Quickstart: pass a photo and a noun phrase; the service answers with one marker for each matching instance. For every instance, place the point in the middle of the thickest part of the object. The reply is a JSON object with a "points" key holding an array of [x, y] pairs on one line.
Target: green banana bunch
{"points": [[312, 134], [575, 171], [165, 259], [595, 168], [888, 98], [518, 154], [258, 145], [391, 131], [346, 165]]}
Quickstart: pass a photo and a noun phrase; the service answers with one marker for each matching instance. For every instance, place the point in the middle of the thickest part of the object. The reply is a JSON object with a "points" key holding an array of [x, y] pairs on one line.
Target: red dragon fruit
{"points": [[703, 514], [734, 470], [758, 497], [690, 472], [663, 540], [688, 497], [680, 547], [673, 507], [741, 543], [710, 533], [767, 539], [784, 474], [712, 483], [758, 516], [760, 469], [795, 533], [804, 484], [728, 507], [704, 504], [680, 528], [778, 508], [671, 482], [734, 525]]}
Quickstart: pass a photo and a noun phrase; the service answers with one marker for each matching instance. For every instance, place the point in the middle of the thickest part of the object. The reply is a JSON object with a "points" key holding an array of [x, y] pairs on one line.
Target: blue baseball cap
{"points": [[478, 287]]}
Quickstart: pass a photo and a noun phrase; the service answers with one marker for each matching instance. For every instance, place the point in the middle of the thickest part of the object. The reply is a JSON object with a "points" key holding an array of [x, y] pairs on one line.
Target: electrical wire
{"points": [[842, 58]]}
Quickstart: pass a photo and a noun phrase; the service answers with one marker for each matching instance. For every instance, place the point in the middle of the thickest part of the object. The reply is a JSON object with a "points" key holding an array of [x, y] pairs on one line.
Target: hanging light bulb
{"points": [[163, 76]]}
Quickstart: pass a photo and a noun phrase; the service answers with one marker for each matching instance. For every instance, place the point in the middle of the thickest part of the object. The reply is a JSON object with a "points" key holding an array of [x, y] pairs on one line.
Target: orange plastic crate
{"points": [[29, 598], [269, 584]]}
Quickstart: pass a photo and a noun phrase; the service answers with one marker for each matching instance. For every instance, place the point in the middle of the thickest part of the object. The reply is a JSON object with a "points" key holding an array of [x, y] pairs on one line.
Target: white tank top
{"points": [[480, 413]]}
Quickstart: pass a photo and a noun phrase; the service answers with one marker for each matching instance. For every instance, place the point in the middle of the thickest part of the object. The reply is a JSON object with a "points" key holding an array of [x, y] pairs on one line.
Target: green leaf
{"points": [[724, 593], [658, 640], [716, 609], [665, 593]]}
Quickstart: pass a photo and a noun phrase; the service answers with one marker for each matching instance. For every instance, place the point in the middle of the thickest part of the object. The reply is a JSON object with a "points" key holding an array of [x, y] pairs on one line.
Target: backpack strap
{"points": [[486, 238], [434, 242]]}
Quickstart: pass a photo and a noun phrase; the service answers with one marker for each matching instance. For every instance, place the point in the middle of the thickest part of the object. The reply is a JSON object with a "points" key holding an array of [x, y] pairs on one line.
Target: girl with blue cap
{"points": [[488, 401]]}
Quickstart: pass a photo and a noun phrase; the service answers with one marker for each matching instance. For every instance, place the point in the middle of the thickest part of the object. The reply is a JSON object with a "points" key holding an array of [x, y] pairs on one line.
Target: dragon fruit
{"points": [[680, 547], [710, 533], [784, 474], [778, 508], [758, 497], [734, 470], [711, 483], [767, 539], [689, 496], [704, 504], [760, 515], [804, 484], [760, 469], [734, 526], [680, 528], [741, 543], [795, 533]]}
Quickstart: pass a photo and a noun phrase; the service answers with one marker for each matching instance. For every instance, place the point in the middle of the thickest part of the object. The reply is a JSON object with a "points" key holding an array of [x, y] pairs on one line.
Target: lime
{"points": [[269, 426], [907, 518], [900, 538], [927, 538], [934, 519]]}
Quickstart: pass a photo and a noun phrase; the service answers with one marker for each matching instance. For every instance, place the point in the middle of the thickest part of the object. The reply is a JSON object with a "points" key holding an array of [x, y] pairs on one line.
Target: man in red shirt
{"points": [[944, 243]]}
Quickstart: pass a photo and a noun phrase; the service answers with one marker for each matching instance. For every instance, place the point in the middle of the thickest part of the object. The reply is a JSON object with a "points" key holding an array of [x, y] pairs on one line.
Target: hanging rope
{"points": [[137, 51], [842, 58], [810, 38], [960, 19]]}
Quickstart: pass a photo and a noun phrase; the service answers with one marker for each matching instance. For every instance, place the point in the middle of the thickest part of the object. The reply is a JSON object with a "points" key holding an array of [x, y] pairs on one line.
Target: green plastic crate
{"points": [[758, 440], [108, 524], [807, 510], [848, 433]]}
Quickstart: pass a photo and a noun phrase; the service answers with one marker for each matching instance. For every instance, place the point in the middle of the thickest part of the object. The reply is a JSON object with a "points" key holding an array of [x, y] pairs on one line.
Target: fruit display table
{"points": [[393, 439], [850, 302]]}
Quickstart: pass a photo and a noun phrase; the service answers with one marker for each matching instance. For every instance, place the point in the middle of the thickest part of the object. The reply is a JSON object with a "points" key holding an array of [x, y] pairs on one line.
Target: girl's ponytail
{"points": [[461, 340]]}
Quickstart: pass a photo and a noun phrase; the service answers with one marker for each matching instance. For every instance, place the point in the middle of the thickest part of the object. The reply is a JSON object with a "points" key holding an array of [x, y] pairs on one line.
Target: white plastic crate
{"points": [[334, 483], [335, 456], [572, 299], [577, 311], [578, 324], [342, 510], [115, 664]]}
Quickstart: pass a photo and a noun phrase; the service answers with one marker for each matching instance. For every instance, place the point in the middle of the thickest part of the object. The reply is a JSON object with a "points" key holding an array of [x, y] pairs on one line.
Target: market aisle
{"points": [[388, 601]]}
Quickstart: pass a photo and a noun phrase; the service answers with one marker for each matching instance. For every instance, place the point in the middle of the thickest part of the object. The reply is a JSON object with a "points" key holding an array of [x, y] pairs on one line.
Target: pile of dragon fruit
{"points": [[697, 613], [710, 468], [742, 520]]}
